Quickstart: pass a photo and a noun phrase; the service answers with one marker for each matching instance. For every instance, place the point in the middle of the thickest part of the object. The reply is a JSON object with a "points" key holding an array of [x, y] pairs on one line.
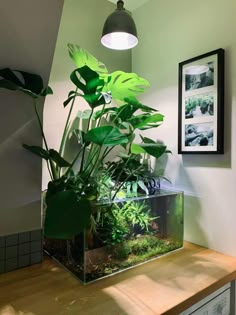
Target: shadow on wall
{"points": [[20, 170], [193, 232], [179, 180], [193, 213]]}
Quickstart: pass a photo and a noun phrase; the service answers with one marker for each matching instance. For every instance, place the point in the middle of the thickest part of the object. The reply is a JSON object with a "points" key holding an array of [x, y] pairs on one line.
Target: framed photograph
{"points": [[201, 104]]}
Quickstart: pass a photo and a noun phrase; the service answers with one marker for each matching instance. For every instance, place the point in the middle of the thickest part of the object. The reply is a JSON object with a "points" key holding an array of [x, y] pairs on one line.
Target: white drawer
{"points": [[217, 303]]}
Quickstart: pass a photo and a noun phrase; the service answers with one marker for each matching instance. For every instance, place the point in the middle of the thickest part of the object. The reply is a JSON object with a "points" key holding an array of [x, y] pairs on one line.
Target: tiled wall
{"points": [[20, 250]]}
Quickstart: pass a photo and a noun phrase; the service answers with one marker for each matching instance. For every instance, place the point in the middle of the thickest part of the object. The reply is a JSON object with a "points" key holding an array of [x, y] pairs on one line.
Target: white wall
{"points": [[81, 24], [171, 32], [28, 31]]}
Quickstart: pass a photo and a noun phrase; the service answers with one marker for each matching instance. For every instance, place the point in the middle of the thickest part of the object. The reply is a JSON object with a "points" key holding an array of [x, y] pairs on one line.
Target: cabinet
{"points": [[217, 303]]}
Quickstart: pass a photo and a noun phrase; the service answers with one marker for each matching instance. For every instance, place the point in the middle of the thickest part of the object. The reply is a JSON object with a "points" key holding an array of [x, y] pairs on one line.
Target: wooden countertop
{"points": [[167, 285]]}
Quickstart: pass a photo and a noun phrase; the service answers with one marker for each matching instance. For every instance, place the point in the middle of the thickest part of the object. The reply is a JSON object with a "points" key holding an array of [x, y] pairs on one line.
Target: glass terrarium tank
{"points": [[122, 234]]}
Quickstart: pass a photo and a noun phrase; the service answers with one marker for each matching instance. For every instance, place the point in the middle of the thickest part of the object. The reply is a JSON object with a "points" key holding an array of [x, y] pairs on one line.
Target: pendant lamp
{"points": [[119, 31]]}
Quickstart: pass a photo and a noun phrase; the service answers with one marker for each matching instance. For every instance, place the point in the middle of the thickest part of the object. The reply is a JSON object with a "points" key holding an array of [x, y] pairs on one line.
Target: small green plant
{"points": [[123, 220], [122, 251]]}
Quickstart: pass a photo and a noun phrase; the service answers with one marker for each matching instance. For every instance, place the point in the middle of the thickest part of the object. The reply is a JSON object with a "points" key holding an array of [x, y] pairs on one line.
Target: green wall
{"points": [[171, 32]]}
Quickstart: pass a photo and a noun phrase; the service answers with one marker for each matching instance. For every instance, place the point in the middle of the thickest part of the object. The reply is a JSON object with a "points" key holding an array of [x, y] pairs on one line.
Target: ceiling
{"points": [[131, 5]]}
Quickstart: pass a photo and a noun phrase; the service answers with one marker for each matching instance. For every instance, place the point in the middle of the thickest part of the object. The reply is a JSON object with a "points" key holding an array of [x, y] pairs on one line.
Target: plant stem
{"points": [[122, 184], [91, 150], [105, 153], [96, 162], [100, 118], [66, 124], [72, 164], [49, 170], [121, 172], [90, 159], [83, 153]]}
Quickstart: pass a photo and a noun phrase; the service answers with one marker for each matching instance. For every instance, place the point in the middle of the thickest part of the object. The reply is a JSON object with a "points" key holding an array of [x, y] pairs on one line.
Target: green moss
{"points": [[146, 247], [143, 244], [122, 251]]}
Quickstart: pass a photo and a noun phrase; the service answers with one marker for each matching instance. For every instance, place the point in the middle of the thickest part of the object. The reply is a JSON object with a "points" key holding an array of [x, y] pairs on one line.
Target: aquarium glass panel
{"points": [[123, 234]]}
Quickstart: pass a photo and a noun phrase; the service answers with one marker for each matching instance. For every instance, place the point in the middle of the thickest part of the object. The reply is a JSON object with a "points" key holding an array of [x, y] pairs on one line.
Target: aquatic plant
{"points": [[123, 220]]}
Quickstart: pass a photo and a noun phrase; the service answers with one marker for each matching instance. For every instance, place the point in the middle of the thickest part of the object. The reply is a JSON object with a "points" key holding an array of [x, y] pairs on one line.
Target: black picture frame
{"points": [[201, 104]]}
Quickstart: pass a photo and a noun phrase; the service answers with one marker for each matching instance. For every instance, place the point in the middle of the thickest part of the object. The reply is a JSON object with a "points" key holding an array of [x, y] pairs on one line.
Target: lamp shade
{"points": [[119, 31]]}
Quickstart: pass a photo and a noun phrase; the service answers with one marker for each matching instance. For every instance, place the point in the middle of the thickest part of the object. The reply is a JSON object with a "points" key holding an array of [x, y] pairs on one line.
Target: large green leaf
{"points": [[77, 81], [94, 99], [126, 111], [47, 91], [123, 85], [90, 83], [82, 57], [29, 83], [137, 149], [56, 157], [106, 135], [146, 121], [66, 216], [72, 95], [153, 149], [92, 79], [37, 150], [147, 140], [136, 104]]}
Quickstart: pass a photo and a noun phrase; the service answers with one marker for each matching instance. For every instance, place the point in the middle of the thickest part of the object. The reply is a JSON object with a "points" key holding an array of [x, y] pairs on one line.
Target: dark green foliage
{"points": [[37, 150], [91, 88], [28, 83], [106, 135], [66, 215], [72, 187], [55, 156]]}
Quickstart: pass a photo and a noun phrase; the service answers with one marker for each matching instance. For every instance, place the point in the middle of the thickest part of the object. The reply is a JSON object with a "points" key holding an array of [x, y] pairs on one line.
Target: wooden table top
{"points": [[167, 285]]}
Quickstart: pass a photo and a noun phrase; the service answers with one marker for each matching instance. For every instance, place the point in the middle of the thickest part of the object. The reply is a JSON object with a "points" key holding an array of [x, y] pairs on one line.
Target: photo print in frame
{"points": [[201, 104]]}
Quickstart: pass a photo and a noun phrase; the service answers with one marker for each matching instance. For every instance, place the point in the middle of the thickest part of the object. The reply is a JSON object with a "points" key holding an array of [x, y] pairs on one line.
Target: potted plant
{"points": [[83, 204]]}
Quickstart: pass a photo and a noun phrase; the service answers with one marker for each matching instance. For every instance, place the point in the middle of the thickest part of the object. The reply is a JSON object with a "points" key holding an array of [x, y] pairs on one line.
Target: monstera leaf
{"points": [[46, 155], [66, 216], [82, 57], [91, 86], [153, 149], [58, 159], [106, 135], [132, 101], [37, 151], [28, 83], [146, 121], [123, 85]]}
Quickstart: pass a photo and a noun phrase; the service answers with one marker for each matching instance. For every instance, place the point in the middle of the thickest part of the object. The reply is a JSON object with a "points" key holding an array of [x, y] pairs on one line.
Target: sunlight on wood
{"points": [[167, 286], [9, 310], [137, 302]]}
